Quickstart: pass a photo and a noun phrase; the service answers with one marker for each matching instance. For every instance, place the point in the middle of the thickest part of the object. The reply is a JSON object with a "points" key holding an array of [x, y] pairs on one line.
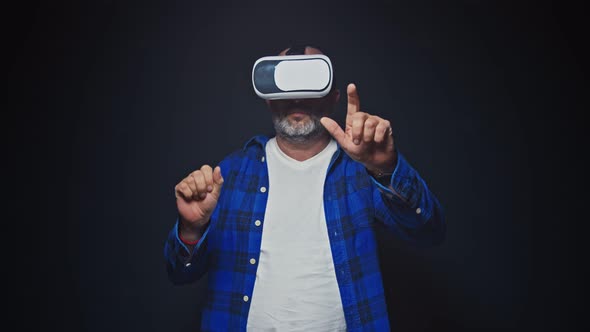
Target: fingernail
{"points": [[357, 142], [203, 195], [209, 188]]}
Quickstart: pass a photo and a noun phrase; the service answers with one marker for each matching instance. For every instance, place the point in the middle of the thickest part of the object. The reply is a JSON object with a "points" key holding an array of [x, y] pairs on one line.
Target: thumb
{"points": [[217, 181], [334, 129]]}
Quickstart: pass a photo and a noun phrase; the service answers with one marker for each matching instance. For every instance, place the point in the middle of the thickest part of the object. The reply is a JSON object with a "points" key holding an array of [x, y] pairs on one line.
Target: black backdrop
{"points": [[121, 100]]}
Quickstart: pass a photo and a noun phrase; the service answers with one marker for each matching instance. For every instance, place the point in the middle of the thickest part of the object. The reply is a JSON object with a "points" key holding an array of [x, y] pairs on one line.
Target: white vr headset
{"points": [[292, 76]]}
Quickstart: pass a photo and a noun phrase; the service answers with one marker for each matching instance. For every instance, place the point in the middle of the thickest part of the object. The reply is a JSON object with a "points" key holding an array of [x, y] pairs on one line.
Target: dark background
{"points": [[116, 102]]}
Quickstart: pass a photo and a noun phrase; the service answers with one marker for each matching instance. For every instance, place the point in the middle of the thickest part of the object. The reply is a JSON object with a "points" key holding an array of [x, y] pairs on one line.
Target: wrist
{"points": [[191, 241], [381, 176], [383, 172], [190, 234], [380, 172]]}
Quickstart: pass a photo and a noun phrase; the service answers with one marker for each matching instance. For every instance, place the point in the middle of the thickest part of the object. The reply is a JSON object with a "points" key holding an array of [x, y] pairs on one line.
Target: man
{"points": [[284, 226]]}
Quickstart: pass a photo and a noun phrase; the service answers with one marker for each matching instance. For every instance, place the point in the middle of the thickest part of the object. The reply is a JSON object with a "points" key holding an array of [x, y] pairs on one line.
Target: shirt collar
{"points": [[260, 141]]}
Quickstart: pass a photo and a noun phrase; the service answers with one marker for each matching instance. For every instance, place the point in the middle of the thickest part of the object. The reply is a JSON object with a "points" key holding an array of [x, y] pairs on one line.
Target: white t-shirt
{"points": [[296, 287]]}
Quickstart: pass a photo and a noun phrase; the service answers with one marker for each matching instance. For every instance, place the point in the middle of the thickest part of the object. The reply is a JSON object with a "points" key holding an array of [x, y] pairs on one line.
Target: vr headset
{"points": [[292, 76]]}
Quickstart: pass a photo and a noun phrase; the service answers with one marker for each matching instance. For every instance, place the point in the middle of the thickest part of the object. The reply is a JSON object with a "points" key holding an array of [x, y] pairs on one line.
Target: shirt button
{"points": [[418, 210], [246, 298], [252, 261], [262, 159], [257, 222], [263, 189]]}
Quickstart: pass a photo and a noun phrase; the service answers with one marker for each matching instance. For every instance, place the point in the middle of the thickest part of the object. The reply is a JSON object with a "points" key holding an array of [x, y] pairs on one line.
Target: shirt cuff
{"points": [[401, 182], [183, 244]]}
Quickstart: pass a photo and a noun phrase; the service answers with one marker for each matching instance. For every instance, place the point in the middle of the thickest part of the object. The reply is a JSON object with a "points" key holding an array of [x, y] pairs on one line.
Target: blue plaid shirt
{"points": [[353, 202]]}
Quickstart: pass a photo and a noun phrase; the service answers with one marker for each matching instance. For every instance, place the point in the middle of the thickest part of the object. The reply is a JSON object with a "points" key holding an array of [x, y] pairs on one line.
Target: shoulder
{"points": [[252, 150]]}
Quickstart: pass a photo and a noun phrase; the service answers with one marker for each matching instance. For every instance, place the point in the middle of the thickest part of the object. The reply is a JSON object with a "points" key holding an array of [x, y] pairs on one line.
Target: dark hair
{"points": [[298, 49]]}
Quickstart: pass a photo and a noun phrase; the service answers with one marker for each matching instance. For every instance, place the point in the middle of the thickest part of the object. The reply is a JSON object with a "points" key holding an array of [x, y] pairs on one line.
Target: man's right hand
{"points": [[196, 198]]}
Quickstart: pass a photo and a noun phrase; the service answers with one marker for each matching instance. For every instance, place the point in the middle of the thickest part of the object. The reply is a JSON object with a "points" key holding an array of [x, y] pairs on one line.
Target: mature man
{"points": [[285, 226]]}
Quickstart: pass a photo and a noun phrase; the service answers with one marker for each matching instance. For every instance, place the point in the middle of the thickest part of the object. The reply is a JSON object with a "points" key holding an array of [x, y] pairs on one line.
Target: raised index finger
{"points": [[354, 103]]}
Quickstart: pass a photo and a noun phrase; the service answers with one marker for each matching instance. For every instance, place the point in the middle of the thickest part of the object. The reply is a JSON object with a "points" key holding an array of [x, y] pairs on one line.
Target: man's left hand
{"points": [[367, 138]]}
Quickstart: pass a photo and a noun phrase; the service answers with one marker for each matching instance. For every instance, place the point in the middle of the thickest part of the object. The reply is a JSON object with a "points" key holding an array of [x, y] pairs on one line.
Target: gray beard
{"points": [[298, 132]]}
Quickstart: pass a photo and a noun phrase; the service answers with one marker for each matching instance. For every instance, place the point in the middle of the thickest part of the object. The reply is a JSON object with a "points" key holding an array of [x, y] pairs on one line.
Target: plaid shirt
{"points": [[353, 202]]}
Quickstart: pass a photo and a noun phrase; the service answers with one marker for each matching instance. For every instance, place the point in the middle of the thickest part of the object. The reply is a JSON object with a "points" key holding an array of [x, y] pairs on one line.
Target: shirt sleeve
{"points": [[412, 212], [184, 266]]}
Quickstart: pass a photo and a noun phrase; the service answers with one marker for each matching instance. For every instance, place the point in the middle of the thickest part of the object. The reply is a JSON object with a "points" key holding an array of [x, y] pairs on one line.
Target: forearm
{"points": [[190, 236], [186, 261], [408, 207]]}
